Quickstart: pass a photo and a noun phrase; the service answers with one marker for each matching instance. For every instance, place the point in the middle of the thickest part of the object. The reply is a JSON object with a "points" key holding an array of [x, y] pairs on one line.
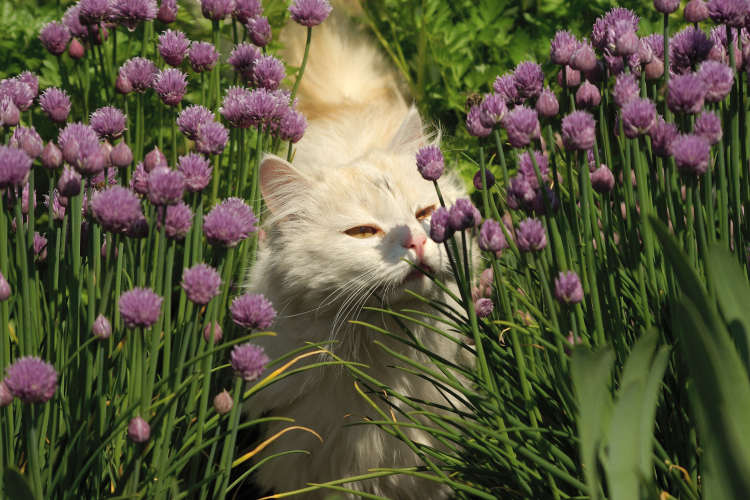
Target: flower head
{"points": [[264, 106], [140, 307], [547, 105], [520, 193], [638, 117], [696, 11], [522, 126], [656, 42], [268, 72], [168, 11], [483, 308], [165, 186], [686, 94], [588, 96], [192, 118], [27, 140], [625, 39], [310, 12], [170, 85], [692, 154], [505, 87], [196, 170], [131, 12], [108, 122], [430, 162], [173, 46], [492, 110], [179, 221], [666, 6], [139, 180], [21, 93], [214, 328], [202, 56], [15, 166], [211, 139], [242, 59], [602, 36], [259, 30], [54, 37], [115, 208], [583, 57], [154, 159], [252, 311], [578, 130], [662, 138], [69, 183], [51, 156], [92, 12], [31, 380], [138, 430], [489, 177], [140, 72], [248, 361], [729, 12], [201, 282], [708, 126], [626, 89], [526, 168], [121, 156], [223, 403], [688, 47], [5, 291], [229, 223], [58, 210], [530, 236], [568, 289], [602, 180], [562, 47], [246, 9], [528, 79], [718, 79], [102, 328], [90, 159], [474, 125], [292, 126], [491, 237], [73, 23], [440, 229], [464, 215], [216, 10]]}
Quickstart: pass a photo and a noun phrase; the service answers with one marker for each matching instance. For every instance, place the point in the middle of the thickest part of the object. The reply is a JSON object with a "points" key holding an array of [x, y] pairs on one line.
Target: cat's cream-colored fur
{"points": [[354, 167]]}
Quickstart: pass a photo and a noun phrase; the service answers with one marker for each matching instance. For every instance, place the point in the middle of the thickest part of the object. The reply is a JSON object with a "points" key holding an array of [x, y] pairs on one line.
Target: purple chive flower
{"points": [[234, 107], [491, 237], [139, 180], [40, 247], [430, 162], [578, 130], [568, 289], [89, 159], [138, 430], [173, 46], [528, 79], [108, 122], [696, 11], [492, 111], [686, 94], [588, 96], [10, 115], [218, 334], [688, 47], [15, 166], [165, 186], [645, 52], [440, 230], [168, 11], [520, 194], [248, 361], [170, 85], [625, 39], [522, 126], [601, 34], [27, 140], [69, 184], [708, 126], [154, 159], [583, 57], [31, 380], [488, 177], [196, 170], [310, 12], [474, 125], [638, 117], [72, 136], [268, 72], [140, 307], [625, 90], [140, 72], [99, 181], [666, 6], [463, 215], [131, 12], [562, 47], [242, 59], [5, 290], [720, 50], [692, 154], [292, 126], [483, 308], [123, 85], [259, 30], [73, 23], [654, 70], [211, 138], [6, 398], [718, 78], [252, 311], [602, 180], [192, 118], [51, 156], [216, 10], [530, 236], [538, 205], [223, 403], [264, 107], [21, 93], [115, 208], [121, 156], [229, 223], [102, 328], [729, 12], [58, 211], [202, 56], [91, 12], [547, 105], [201, 282], [179, 220], [505, 87], [246, 9], [527, 171], [54, 37]]}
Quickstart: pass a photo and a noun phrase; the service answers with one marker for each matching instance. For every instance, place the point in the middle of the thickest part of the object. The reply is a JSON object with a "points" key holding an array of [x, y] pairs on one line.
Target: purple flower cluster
{"points": [[165, 186], [430, 162], [248, 361], [192, 118], [310, 12], [139, 72], [229, 223], [108, 122], [201, 282], [140, 307], [173, 47], [115, 208], [31, 380], [252, 311], [196, 170]]}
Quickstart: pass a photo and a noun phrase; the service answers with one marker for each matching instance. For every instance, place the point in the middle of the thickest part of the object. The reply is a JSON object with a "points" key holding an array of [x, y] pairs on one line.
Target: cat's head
{"points": [[338, 233]]}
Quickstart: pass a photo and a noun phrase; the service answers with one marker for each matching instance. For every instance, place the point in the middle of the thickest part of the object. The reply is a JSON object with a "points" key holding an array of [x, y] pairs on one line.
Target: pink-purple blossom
{"points": [[202, 56], [140, 307], [54, 37], [115, 207], [196, 170], [173, 47], [108, 122], [31, 379], [201, 282], [252, 311], [310, 12]]}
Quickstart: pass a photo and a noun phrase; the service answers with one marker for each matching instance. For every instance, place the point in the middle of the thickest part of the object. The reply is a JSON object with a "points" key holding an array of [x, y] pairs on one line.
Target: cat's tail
{"points": [[345, 72]]}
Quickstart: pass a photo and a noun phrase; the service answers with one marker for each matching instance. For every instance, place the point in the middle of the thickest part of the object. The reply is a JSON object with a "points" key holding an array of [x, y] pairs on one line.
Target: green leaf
{"points": [[648, 412], [16, 486], [591, 375]]}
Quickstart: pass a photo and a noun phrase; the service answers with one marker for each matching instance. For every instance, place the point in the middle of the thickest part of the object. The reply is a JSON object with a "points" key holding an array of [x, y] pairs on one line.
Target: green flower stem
{"points": [[485, 202], [174, 136], [243, 164], [227, 453], [138, 150], [156, 330], [215, 181], [702, 241], [6, 415], [722, 192], [690, 236], [302, 66], [739, 247], [290, 152], [203, 89], [32, 448], [215, 75], [667, 112], [709, 202], [167, 327], [584, 186], [29, 344], [646, 233], [559, 253], [186, 256]]}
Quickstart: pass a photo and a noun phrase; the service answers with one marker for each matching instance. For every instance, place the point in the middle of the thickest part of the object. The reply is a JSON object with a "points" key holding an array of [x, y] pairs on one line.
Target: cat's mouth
{"points": [[416, 274]]}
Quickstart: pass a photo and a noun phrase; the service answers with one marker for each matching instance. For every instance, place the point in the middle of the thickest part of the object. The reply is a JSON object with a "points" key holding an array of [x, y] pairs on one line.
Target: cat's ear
{"points": [[410, 135], [280, 183]]}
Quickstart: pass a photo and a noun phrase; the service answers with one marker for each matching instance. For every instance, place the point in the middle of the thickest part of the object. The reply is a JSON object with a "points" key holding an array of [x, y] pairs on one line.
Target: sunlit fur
{"points": [[354, 167]]}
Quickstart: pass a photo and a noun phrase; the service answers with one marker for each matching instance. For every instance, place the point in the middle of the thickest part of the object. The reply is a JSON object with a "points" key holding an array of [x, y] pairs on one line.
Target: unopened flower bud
{"points": [[695, 11], [6, 398], [102, 328], [121, 156], [602, 180], [223, 403], [483, 308], [154, 159], [572, 77], [666, 6], [52, 157], [488, 176], [138, 430], [75, 49], [583, 58], [588, 96], [217, 333], [123, 85], [655, 69], [69, 184], [10, 115], [5, 291]]}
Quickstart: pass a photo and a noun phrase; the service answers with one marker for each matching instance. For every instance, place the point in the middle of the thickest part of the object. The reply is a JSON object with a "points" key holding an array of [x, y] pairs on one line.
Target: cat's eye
{"points": [[362, 231], [424, 213]]}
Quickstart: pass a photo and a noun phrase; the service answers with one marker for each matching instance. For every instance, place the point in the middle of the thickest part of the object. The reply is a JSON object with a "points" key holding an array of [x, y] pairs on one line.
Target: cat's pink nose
{"points": [[416, 242]]}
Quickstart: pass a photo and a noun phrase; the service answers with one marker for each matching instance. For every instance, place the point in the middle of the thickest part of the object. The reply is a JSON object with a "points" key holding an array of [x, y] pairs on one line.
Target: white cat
{"points": [[341, 219]]}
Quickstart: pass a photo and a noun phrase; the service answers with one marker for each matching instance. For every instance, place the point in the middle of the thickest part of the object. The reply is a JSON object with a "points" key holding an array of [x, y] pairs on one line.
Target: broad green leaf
{"points": [[648, 412], [16, 486], [591, 372]]}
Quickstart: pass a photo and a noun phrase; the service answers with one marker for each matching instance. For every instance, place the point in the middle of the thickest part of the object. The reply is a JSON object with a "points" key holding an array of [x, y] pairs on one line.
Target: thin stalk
{"points": [[302, 66]]}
